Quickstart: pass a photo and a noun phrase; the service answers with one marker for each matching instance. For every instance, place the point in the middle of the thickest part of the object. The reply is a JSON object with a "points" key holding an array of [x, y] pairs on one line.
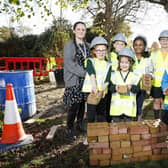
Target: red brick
{"points": [[96, 151], [164, 151], [115, 162], [115, 144], [156, 151], [154, 140], [125, 144], [99, 156], [99, 145], [137, 148], [119, 151], [142, 142], [160, 145], [147, 148], [160, 134], [122, 128], [92, 139], [163, 127], [117, 157], [143, 158], [146, 136], [97, 131], [113, 128], [105, 162], [139, 159], [144, 153], [106, 151], [119, 137], [135, 137], [127, 150], [159, 157], [143, 129], [94, 162], [103, 138], [153, 130], [97, 124]]}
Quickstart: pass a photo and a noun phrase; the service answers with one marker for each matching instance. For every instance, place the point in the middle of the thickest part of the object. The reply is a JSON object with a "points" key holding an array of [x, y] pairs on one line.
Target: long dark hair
{"points": [[73, 38], [145, 54]]}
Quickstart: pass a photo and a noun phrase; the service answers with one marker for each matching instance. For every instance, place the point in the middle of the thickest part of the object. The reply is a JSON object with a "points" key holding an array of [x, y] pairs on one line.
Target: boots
{"points": [[80, 126], [71, 134], [164, 117]]}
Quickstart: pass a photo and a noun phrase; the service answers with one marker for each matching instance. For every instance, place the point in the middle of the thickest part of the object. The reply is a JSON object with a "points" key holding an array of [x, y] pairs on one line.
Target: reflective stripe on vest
{"points": [[159, 67], [143, 67], [113, 60], [123, 103], [101, 68]]}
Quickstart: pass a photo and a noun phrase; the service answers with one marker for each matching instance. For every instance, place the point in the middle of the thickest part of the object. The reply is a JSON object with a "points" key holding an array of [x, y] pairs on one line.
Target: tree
{"points": [[109, 15]]}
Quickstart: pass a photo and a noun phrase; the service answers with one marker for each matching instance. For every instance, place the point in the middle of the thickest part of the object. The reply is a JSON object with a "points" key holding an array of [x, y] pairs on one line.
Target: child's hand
{"points": [[165, 92], [103, 95], [117, 88], [94, 90], [129, 87]]}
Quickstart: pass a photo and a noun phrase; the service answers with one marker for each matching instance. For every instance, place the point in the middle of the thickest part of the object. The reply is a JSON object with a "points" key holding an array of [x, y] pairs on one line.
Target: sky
{"points": [[152, 21]]}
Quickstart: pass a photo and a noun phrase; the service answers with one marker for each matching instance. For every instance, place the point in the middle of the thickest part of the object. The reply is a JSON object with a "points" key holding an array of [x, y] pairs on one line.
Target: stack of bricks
{"points": [[124, 142]]}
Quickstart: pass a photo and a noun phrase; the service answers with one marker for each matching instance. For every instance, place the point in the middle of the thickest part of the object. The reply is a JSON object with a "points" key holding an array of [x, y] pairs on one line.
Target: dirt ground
{"points": [[59, 152]]}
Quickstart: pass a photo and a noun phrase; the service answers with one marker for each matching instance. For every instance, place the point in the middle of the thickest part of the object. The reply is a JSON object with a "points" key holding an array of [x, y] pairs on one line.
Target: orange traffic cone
{"points": [[13, 131]]}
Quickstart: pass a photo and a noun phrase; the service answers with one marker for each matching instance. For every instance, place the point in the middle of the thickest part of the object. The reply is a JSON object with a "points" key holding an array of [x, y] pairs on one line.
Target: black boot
{"points": [[165, 116], [156, 114], [71, 134], [80, 126]]}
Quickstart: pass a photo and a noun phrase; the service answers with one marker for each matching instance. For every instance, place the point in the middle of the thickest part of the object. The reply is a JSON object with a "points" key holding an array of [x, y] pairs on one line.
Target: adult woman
{"points": [[75, 53], [142, 66]]}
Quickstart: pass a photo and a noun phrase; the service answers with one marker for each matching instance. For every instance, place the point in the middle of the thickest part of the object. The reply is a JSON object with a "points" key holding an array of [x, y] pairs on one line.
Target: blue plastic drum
{"points": [[23, 85]]}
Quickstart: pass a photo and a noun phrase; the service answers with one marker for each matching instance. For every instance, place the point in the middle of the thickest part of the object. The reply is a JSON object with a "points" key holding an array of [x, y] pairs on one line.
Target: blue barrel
{"points": [[23, 86]]}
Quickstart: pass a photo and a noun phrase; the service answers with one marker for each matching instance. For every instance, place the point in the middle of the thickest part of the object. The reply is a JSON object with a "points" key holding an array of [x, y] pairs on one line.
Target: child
{"points": [[119, 42], [142, 66], [160, 63], [97, 79], [165, 92], [124, 88]]}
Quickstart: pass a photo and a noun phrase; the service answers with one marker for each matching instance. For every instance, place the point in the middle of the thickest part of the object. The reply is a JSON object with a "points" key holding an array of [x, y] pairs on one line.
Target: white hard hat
{"points": [[127, 52], [120, 37], [164, 33], [98, 40]]}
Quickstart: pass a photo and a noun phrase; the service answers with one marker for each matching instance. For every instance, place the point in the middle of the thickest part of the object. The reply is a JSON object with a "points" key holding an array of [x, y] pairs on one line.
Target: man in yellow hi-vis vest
{"points": [[160, 63]]}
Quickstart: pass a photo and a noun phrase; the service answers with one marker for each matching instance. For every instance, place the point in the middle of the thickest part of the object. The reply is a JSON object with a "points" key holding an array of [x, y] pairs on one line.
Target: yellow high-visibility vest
{"points": [[166, 97], [101, 68], [112, 58], [159, 67], [143, 67], [51, 63], [123, 103]]}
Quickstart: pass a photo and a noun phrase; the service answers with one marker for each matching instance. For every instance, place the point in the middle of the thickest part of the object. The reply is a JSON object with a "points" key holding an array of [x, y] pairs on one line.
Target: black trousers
{"points": [[108, 104], [139, 101], [77, 110], [97, 112]]}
